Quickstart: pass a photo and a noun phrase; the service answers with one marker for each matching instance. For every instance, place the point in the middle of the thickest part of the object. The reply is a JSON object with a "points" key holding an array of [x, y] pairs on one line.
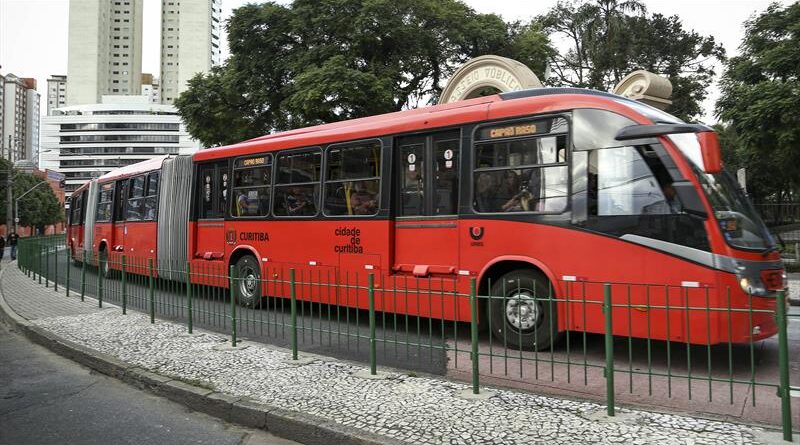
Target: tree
{"points": [[38, 208], [760, 103], [605, 40], [317, 61]]}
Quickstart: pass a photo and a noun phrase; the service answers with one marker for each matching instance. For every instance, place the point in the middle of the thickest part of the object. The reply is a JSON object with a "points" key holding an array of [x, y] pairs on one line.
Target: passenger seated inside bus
{"points": [[298, 203], [362, 201]]}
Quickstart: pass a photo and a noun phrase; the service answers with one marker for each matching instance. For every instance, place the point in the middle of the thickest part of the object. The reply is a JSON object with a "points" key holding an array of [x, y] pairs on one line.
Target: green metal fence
{"points": [[402, 324]]}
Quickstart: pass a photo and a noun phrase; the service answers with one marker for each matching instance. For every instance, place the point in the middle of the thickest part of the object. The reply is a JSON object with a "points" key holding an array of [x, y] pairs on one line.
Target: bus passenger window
{"points": [[352, 180], [133, 211], [151, 197], [252, 186], [105, 201], [521, 174], [297, 186]]}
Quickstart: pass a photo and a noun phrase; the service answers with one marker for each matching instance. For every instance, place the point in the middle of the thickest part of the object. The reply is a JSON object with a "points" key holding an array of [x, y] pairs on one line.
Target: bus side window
{"points": [[352, 180], [298, 182], [151, 197], [105, 201], [522, 174], [135, 197], [252, 186]]}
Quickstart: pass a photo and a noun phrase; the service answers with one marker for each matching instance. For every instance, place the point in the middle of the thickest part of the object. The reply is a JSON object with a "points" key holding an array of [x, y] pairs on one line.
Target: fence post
{"points": [[372, 352], [783, 366], [83, 275], [609, 337], [55, 265], [47, 266], [233, 307], [151, 280], [189, 294], [39, 249], [293, 304], [99, 281], [124, 288], [69, 266], [473, 307]]}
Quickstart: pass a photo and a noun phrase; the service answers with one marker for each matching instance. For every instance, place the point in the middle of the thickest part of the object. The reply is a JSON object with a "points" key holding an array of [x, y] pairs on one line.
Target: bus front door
{"points": [[426, 223]]}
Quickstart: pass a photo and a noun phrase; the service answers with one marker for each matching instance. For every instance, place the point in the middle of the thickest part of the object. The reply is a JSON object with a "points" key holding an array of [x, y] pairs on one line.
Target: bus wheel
{"points": [[523, 316], [247, 287]]}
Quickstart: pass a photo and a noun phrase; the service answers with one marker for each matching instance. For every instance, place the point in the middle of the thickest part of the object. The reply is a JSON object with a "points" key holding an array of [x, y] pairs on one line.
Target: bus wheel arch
{"points": [[523, 312], [247, 271]]}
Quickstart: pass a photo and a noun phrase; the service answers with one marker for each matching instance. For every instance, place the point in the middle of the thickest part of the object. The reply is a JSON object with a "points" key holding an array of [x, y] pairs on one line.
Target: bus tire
{"points": [[523, 316], [247, 288]]}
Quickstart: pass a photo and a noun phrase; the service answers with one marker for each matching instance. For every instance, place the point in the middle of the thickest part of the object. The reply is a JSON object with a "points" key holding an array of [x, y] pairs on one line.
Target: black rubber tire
{"points": [[246, 292], [534, 287]]}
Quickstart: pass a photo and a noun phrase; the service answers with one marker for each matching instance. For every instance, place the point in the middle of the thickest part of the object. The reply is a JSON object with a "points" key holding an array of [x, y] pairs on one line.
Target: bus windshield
{"points": [[740, 224]]}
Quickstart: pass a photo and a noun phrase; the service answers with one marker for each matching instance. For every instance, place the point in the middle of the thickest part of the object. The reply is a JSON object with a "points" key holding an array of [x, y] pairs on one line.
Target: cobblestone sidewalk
{"points": [[417, 410]]}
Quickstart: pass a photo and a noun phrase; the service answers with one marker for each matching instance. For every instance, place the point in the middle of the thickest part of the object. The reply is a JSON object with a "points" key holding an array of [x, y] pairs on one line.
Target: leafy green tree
{"points": [[760, 102], [38, 208], [316, 61], [608, 39]]}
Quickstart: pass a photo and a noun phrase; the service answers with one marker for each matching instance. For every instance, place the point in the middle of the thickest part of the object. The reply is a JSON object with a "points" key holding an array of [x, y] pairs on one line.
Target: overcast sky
{"points": [[33, 33]]}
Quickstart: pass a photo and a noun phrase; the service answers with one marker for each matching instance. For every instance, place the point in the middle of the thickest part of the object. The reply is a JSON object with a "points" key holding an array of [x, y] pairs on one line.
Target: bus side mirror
{"points": [[712, 154]]}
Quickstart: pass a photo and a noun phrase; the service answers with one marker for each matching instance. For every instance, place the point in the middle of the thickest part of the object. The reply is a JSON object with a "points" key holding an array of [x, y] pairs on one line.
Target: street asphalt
{"points": [[47, 399]]}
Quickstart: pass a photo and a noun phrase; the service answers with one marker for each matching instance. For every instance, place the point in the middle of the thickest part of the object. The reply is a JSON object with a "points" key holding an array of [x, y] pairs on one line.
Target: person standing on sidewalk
{"points": [[12, 241], [2, 247]]}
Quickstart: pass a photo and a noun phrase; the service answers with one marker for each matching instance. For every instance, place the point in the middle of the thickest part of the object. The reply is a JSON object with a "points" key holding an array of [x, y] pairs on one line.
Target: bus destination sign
{"points": [[508, 131], [252, 162]]}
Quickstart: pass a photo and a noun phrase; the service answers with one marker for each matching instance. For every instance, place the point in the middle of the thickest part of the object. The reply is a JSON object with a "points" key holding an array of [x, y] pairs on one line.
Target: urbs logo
{"points": [[476, 233]]}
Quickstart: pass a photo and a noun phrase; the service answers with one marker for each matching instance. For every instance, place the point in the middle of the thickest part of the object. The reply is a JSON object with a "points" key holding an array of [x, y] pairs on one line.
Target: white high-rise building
{"points": [[105, 49], [20, 117], [86, 141], [56, 92], [189, 42]]}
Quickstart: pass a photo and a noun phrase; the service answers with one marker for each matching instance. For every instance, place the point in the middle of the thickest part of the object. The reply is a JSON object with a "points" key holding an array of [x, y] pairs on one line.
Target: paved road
{"points": [[46, 399]]}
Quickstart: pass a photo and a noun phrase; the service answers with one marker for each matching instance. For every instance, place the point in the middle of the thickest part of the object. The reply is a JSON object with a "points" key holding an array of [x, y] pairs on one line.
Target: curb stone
{"points": [[300, 427]]}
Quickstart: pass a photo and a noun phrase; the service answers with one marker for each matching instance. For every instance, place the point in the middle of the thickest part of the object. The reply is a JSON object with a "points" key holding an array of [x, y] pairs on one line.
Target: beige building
{"points": [[20, 117], [56, 92], [105, 49], [189, 42]]}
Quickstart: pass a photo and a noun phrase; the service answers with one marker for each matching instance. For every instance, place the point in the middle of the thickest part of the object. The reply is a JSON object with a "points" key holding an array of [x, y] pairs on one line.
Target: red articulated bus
{"points": [[528, 192]]}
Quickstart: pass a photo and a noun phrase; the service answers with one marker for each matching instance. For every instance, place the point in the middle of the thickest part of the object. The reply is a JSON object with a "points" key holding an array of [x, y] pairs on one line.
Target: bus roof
{"points": [[504, 105], [134, 169]]}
